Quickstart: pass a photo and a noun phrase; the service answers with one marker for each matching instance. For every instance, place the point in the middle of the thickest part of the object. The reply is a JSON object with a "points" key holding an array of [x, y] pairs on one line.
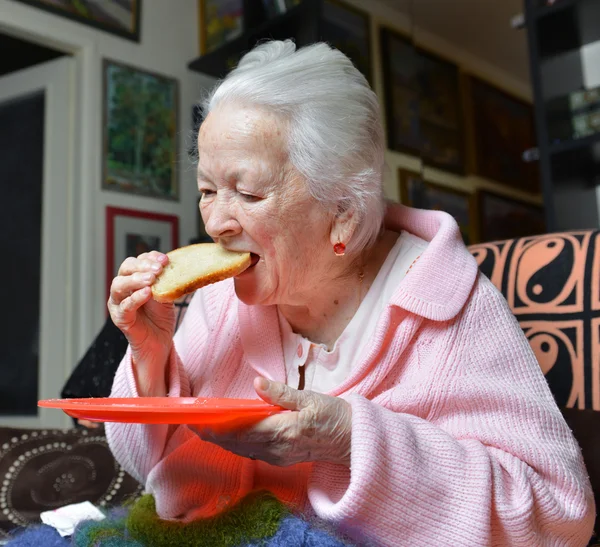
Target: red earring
{"points": [[339, 249]]}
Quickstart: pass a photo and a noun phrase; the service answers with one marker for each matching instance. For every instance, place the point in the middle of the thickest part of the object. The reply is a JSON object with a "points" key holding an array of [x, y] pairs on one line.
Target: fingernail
{"points": [[148, 277], [156, 267], [263, 384]]}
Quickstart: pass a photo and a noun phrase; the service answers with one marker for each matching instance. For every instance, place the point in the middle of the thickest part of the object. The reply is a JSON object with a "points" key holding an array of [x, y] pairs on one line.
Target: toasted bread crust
{"points": [[198, 283]]}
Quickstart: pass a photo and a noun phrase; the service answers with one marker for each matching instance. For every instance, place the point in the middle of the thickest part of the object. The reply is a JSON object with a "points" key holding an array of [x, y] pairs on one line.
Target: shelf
{"points": [[576, 162], [567, 26], [574, 144], [554, 8], [291, 24]]}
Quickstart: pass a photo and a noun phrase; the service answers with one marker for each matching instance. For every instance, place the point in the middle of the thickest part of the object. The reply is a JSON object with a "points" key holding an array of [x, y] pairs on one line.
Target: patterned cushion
{"points": [[41, 470], [552, 284]]}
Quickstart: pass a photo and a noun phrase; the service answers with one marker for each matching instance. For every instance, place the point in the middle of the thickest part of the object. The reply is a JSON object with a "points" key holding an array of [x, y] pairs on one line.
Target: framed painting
{"points": [[130, 232], [421, 194], [120, 17], [140, 132], [221, 21], [501, 218], [502, 128], [348, 29], [423, 101], [197, 118]]}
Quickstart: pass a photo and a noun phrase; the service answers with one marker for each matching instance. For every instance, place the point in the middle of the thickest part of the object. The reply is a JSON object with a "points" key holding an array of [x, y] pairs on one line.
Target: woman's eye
{"points": [[206, 193], [249, 197]]}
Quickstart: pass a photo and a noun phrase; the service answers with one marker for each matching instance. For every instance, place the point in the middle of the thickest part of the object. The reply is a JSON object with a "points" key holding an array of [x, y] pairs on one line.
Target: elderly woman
{"points": [[418, 411]]}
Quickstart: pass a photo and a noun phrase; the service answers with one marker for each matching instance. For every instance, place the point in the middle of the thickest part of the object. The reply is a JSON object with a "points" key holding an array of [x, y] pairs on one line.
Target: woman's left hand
{"points": [[319, 428]]}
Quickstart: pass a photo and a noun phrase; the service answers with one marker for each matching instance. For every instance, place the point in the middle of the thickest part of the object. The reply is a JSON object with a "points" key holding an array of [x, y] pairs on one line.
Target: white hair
{"points": [[335, 138]]}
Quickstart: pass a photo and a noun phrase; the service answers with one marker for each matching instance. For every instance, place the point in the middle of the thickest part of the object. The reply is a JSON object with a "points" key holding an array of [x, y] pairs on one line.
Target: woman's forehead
{"points": [[234, 121], [241, 138]]}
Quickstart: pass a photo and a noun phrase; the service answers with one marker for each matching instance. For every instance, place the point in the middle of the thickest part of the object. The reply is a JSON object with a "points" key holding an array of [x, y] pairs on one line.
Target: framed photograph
{"points": [[221, 21], [130, 232], [140, 132], [349, 30], [501, 218], [120, 17], [423, 103], [421, 194], [502, 128]]}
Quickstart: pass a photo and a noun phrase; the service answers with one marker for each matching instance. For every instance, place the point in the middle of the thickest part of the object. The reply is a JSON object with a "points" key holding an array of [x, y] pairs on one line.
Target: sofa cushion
{"points": [[552, 285], [44, 469]]}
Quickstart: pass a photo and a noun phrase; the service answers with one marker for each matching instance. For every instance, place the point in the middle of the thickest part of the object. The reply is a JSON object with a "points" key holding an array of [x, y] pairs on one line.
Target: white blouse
{"points": [[326, 369]]}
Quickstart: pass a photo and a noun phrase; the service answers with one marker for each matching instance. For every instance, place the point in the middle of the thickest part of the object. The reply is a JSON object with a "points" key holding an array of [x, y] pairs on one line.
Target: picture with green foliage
{"points": [[140, 132]]}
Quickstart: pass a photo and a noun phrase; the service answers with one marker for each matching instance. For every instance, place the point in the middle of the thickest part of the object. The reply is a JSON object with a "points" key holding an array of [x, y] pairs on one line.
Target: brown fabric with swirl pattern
{"points": [[41, 470]]}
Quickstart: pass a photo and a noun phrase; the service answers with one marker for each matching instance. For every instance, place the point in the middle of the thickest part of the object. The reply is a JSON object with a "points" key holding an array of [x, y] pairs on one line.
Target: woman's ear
{"points": [[343, 226]]}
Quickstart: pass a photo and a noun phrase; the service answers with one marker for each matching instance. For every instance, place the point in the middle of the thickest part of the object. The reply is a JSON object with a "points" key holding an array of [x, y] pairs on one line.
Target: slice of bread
{"points": [[195, 266]]}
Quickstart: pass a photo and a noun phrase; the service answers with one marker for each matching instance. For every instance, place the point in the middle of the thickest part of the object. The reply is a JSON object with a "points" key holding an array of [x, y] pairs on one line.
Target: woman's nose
{"points": [[221, 221]]}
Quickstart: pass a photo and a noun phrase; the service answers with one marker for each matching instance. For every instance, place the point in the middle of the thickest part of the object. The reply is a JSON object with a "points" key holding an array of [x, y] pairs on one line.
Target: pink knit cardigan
{"points": [[456, 438]]}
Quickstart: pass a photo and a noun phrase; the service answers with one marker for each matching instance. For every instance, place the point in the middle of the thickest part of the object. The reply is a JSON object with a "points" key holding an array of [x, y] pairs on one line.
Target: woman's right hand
{"points": [[148, 325]]}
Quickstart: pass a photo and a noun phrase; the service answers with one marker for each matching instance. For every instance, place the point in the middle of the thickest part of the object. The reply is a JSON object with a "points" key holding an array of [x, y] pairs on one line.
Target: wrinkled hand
{"points": [[319, 428], [131, 306], [148, 325]]}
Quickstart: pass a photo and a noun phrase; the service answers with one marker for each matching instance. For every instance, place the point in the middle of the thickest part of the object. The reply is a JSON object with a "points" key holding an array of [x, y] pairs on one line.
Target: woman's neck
{"points": [[331, 305]]}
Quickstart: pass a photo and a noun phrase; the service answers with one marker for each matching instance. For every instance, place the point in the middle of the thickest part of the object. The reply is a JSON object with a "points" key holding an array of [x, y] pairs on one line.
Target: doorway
{"points": [[36, 137]]}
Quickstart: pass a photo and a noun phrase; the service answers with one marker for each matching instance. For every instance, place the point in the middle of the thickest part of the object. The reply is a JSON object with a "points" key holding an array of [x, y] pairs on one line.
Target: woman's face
{"points": [[254, 200]]}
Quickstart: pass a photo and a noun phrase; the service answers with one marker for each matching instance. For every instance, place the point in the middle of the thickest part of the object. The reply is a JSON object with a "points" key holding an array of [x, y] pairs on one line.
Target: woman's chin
{"points": [[252, 286], [247, 290]]}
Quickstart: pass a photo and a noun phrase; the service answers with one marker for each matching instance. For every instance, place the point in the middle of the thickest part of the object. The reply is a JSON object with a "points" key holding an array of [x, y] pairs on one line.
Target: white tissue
{"points": [[66, 518]]}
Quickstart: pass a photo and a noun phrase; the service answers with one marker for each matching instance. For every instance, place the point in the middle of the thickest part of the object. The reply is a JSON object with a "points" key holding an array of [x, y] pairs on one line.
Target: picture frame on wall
{"points": [[141, 112], [119, 17], [423, 101], [221, 21], [502, 128], [502, 217], [131, 232], [349, 29], [421, 194]]}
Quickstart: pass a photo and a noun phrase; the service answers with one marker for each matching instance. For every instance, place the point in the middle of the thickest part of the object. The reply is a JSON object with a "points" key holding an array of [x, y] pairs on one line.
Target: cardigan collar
{"points": [[441, 281]]}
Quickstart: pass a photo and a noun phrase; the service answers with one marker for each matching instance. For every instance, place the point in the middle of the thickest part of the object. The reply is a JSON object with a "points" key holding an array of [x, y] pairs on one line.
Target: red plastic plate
{"points": [[218, 413]]}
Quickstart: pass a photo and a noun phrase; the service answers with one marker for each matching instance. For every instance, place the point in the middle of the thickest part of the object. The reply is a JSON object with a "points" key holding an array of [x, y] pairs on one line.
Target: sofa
{"points": [[552, 284]]}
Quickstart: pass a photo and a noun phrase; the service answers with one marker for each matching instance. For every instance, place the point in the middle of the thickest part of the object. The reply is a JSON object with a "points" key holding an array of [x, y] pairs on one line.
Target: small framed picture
{"points": [[423, 101], [130, 232], [501, 218], [221, 21], [140, 132], [349, 29], [421, 194], [501, 128], [119, 17]]}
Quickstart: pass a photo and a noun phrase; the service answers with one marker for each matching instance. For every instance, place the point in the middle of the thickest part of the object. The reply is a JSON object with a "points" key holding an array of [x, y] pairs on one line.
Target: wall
{"points": [[382, 15], [169, 39]]}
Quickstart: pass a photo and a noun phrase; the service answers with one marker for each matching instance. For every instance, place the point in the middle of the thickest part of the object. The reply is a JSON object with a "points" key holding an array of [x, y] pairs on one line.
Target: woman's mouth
{"points": [[254, 258]]}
